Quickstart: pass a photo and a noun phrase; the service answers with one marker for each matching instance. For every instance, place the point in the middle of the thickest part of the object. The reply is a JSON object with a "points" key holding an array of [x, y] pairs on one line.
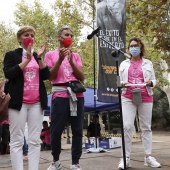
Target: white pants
{"points": [[33, 115], [129, 110]]}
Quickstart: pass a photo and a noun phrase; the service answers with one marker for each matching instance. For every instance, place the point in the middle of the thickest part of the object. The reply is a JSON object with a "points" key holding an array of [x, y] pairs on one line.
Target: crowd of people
{"points": [[26, 71]]}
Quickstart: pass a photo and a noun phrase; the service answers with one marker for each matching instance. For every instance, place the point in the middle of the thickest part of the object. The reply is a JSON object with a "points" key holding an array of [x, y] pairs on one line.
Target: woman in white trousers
{"points": [[26, 71], [138, 78]]}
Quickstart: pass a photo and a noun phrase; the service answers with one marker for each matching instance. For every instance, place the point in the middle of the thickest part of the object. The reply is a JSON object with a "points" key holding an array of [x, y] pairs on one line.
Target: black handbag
{"points": [[76, 86]]}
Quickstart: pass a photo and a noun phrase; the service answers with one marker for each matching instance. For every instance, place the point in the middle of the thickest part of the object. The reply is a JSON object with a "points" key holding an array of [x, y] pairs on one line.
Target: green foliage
{"points": [[148, 20], [7, 42], [86, 50], [36, 16], [161, 108], [72, 14]]}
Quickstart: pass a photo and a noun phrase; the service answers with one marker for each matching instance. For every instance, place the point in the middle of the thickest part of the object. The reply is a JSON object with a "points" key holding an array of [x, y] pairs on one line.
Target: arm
{"points": [[28, 59], [42, 136], [13, 64], [40, 53], [45, 73], [78, 71], [11, 68], [54, 70], [122, 74], [152, 81]]}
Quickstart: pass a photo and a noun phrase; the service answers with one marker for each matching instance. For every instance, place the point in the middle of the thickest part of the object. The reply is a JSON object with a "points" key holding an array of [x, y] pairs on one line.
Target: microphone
{"points": [[127, 55], [90, 36], [115, 52]]}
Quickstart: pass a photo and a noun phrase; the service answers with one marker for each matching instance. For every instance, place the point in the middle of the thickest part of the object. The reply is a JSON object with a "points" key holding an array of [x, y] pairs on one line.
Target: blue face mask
{"points": [[134, 51]]}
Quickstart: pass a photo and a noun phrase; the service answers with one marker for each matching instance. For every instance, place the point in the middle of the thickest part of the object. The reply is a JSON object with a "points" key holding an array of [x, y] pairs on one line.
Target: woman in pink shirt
{"points": [[26, 71], [137, 78]]}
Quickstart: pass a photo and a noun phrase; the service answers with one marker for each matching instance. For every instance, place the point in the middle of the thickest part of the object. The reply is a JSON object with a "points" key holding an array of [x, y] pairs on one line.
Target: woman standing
{"points": [[137, 78], [26, 71]]}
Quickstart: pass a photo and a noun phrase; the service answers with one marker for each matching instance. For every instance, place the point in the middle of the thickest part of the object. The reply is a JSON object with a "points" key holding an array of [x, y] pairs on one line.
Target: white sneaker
{"points": [[151, 161], [75, 167], [121, 163], [55, 166]]}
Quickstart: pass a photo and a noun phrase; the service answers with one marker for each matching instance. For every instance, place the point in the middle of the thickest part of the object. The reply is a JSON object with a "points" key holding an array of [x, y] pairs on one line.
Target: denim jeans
{"points": [[60, 116]]}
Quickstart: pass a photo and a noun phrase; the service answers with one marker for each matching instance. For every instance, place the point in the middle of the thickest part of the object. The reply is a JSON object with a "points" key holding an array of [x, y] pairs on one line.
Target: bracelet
{"points": [[40, 58]]}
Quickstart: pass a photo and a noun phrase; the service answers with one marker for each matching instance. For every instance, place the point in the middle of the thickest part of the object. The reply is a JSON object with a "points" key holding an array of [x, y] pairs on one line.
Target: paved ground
{"points": [[107, 160]]}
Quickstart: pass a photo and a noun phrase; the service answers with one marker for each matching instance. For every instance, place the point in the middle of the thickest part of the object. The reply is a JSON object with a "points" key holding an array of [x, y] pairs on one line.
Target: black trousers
{"points": [[60, 116]]}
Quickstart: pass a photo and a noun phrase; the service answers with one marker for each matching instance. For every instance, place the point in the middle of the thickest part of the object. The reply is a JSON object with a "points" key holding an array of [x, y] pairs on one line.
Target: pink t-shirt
{"points": [[46, 135], [31, 82], [65, 72], [135, 76]]}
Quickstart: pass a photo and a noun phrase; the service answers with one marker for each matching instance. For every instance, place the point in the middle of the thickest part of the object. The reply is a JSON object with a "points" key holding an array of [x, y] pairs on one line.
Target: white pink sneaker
{"points": [[151, 161], [75, 167]]}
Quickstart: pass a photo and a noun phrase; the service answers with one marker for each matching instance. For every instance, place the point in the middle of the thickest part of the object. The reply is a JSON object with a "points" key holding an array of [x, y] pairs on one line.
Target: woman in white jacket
{"points": [[138, 78]]}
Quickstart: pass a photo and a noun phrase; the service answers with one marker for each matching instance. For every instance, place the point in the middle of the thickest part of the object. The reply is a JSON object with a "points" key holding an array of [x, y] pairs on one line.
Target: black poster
{"points": [[111, 19]]}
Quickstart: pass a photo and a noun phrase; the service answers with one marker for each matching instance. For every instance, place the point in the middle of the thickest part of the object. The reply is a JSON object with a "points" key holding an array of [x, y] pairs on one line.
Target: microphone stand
{"points": [[94, 87], [96, 149], [94, 79], [115, 54]]}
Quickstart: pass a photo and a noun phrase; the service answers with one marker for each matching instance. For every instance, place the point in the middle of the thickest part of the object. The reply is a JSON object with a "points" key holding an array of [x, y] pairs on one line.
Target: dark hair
{"points": [[95, 116], [62, 29], [141, 45], [45, 122]]}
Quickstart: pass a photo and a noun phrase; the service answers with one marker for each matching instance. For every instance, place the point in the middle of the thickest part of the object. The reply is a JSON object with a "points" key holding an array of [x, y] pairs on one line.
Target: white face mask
{"points": [[134, 51]]}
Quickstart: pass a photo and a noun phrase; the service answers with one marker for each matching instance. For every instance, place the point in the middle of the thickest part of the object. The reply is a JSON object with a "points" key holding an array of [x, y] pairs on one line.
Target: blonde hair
{"points": [[24, 29]]}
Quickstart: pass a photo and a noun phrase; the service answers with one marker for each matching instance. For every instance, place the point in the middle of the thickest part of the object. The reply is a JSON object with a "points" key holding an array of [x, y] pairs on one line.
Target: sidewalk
{"points": [[107, 160]]}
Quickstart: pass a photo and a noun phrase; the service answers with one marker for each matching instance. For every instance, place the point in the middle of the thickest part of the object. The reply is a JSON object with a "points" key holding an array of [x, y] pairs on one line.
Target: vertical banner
{"points": [[111, 19]]}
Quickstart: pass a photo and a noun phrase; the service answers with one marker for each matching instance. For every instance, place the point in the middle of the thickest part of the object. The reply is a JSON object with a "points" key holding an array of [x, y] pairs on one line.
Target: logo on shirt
{"points": [[30, 74]]}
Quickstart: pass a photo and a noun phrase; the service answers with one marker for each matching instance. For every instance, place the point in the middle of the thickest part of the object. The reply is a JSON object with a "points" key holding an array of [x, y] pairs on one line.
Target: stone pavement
{"points": [[107, 160]]}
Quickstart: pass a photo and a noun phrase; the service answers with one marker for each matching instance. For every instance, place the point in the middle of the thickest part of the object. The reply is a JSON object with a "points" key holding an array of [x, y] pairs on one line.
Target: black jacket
{"points": [[94, 129], [15, 76]]}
